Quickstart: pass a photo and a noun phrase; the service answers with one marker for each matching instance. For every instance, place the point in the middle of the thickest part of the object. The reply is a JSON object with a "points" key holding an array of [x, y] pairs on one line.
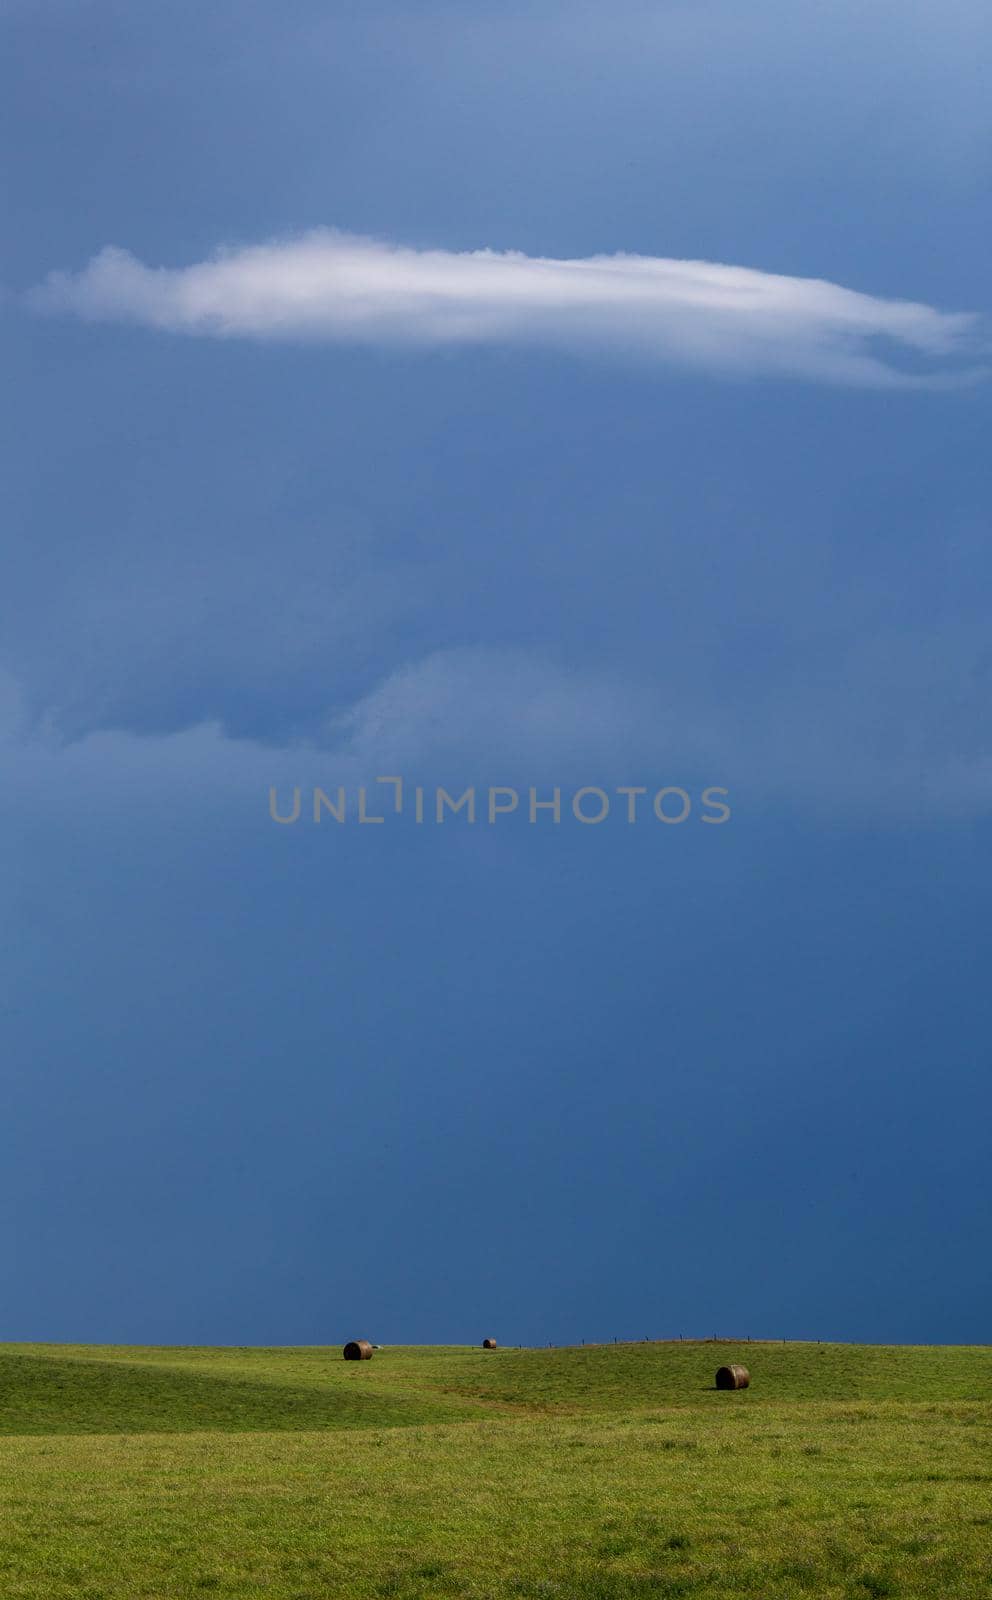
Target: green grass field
{"points": [[598, 1473]]}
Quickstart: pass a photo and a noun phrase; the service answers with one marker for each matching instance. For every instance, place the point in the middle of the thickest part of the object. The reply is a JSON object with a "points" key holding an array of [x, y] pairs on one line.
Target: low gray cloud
{"points": [[897, 735]]}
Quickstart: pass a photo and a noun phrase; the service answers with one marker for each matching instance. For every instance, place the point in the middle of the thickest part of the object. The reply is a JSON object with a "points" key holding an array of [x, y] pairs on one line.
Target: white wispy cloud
{"points": [[331, 286]]}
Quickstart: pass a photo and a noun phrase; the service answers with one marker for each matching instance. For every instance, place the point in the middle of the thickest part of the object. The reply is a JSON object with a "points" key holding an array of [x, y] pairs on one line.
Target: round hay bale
{"points": [[358, 1350], [733, 1377], [489, 1344]]}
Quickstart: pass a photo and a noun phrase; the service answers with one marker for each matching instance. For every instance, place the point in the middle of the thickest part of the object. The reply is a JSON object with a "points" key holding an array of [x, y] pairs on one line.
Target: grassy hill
{"points": [[598, 1473]]}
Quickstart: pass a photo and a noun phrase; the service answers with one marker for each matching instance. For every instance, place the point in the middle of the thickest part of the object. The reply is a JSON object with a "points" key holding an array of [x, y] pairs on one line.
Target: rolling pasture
{"points": [[591, 1473]]}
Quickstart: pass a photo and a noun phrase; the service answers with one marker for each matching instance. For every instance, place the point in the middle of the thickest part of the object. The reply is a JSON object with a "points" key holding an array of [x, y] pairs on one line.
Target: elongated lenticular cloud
{"points": [[330, 286]]}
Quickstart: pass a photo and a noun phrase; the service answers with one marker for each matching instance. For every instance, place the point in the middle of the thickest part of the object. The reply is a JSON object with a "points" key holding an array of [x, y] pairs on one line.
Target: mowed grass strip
{"points": [[828, 1500], [57, 1393]]}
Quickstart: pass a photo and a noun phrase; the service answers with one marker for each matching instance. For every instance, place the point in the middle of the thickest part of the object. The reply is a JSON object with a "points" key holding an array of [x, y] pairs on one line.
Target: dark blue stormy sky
{"points": [[301, 490]]}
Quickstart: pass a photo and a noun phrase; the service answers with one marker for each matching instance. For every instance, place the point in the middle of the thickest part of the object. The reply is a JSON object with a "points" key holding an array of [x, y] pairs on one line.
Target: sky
{"points": [[531, 400]]}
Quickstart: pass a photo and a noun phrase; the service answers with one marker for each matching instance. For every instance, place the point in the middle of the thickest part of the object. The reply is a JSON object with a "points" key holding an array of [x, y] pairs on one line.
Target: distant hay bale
{"points": [[489, 1344], [733, 1377], [358, 1350]]}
